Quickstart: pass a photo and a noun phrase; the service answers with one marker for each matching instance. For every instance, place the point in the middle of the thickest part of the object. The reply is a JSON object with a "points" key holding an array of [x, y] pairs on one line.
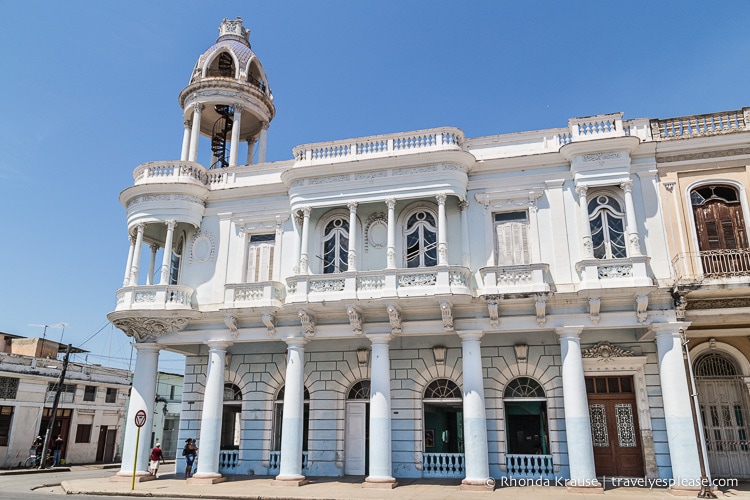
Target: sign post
{"points": [[140, 420]]}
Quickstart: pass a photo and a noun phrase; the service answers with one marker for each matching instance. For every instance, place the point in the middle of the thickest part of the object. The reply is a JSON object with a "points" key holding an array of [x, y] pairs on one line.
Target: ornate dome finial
{"points": [[233, 29]]}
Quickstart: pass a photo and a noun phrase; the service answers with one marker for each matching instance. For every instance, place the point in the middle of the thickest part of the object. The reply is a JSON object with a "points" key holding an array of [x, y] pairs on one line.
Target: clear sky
{"points": [[89, 91]]}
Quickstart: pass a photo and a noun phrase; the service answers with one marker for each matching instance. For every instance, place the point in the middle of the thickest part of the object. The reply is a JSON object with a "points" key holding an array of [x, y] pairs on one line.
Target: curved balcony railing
{"points": [[172, 297], [712, 265], [172, 171]]}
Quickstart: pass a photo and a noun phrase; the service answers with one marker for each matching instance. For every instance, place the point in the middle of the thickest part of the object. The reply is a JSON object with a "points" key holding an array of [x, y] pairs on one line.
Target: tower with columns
{"points": [[411, 305]]}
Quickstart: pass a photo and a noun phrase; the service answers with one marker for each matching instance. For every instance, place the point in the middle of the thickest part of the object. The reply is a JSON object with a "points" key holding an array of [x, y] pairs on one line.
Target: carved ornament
{"points": [[150, 329], [605, 351]]}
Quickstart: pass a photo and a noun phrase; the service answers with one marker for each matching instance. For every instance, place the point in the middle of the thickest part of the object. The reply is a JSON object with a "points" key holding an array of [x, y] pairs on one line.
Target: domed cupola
{"points": [[228, 101]]}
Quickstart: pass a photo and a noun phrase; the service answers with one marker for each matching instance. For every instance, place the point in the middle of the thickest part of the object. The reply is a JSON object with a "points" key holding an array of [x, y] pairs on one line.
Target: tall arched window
{"points": [[443, 417], [421, 239], [174, 268], [222, 66], [526, 417], [720, 227], [230, 419], [607, 221], [336, 246], [278, 417]]}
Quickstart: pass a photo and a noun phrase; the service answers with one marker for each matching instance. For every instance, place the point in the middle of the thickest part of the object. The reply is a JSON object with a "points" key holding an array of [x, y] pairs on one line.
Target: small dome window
{"points": [[222, 66]]}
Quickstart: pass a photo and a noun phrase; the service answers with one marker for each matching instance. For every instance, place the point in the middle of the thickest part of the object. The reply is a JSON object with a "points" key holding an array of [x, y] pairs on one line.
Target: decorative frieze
{"points": [[605, 351], [425, 279], [150, 329], [617, 271], [717, 303], [163, 198], [332, 285], [705, 155]]}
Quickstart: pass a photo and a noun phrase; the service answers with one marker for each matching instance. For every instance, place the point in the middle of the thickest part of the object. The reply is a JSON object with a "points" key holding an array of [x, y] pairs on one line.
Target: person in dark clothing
{"points": [[189, 452], [57, 446]]}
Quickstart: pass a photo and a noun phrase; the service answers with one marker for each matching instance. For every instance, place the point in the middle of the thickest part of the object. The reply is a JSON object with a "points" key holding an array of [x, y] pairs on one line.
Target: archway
{"points": [[526, 429], [357, 429], [443, 429]]}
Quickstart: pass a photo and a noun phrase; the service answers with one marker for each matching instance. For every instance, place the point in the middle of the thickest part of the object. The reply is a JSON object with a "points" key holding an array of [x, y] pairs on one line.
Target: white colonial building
{"points": [[408, 305]]}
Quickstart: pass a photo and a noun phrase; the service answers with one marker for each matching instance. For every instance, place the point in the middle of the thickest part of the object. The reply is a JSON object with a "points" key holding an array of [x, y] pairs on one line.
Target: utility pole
{"points": [[51, 424]]}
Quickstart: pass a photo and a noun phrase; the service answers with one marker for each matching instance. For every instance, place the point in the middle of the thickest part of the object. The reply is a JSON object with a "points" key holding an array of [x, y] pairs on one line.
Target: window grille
{"points": [[232, 393], [714, 365], [523, 387], [336, 246], [8, 387], [360, 390], [421, 240], [442, 388]]}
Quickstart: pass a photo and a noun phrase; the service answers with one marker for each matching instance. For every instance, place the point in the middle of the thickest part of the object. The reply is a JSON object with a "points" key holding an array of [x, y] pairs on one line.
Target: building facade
{"points": [[418, 304], [89, 414]]}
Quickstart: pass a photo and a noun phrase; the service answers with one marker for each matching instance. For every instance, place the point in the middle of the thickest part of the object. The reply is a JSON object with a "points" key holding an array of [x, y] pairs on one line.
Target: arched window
{"points": [[443, 418], [360, 390], [442, 388], [174, 268], [526, 417], [720, 227], [607, 221], [336, 246], [278, 417], [421, 239], [222, 66], [230, 418], [714, 365]]}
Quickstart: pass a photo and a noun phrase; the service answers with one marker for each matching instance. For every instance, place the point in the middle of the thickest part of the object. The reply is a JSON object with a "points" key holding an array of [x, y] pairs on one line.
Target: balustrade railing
{"points": [[683, 127], [256, 294], [228, 461], [188, 172], [529, 466], [712, 264], [449, 465], [417, 141], [529, 278], [274, 460], [155, 297]]}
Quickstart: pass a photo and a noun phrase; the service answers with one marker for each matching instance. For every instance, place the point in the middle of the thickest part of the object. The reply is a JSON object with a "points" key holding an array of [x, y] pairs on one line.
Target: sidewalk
{"points": [[173, 485]]}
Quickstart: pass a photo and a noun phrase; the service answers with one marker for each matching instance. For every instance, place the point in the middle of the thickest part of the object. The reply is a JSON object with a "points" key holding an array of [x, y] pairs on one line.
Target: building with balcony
{"points": [[89, 414], [407, 305], [703, 166]]}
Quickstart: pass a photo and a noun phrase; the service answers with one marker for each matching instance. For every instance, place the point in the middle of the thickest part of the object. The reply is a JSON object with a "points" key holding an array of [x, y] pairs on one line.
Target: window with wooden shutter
{"points": [[511, 230], [260, 258]]}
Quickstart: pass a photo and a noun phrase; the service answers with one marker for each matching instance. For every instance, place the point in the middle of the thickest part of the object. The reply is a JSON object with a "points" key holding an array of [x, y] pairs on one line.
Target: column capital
{"points": [[671, 329], [265, 125], [154, 247], [237, 107], [218, 345], [197, 107], [295, 341], [470, 334], [390, 202], [171, 223], [352, 206], [441, 198], [569, 331], [306, 210], [463, 205], [581, 189], [626, 185], [147, 347], [379, 338]]}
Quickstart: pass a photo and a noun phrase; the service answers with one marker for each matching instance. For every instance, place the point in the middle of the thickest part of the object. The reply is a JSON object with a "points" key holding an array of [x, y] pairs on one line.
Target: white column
{"points": [[292, 425], [634, 243], [262, 143], [195, 132], [142, 397], [151, 264], [234, 146], [303, 261], [251, 150], [166, 261], [391, 242], [465, 249], [213, 406], [442, 231], [678, 414], [136, 263], [381, 467], [351, 264], [297, 226], [585, 226], [185, 141], [475, 416], [129, 265], [576, 406]]}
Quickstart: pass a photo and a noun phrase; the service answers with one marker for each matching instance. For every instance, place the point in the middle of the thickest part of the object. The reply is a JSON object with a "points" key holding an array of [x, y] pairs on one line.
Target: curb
{"points": [[16, 472]]}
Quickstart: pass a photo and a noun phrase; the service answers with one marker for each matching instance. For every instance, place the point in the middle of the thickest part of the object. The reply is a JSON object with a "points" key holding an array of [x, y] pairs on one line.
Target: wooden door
{"points": [[356, 426], [614, 427]]}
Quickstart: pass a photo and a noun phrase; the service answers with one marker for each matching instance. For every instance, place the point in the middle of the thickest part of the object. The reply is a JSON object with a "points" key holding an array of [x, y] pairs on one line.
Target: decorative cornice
{"points": [[164, 198], [605, 351], [150, 329], [705, 155], [717, 303]]}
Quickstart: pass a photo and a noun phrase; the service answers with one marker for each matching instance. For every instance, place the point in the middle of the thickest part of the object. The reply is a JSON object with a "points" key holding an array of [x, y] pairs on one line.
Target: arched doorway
{"points": [[278, 418], [230, 418], [526, 429], [357, 429], [443, 430], [724, 410]]}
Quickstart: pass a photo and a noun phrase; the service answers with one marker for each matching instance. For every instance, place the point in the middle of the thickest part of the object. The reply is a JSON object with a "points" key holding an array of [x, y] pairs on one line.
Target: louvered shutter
{"points": [[512, 244]]}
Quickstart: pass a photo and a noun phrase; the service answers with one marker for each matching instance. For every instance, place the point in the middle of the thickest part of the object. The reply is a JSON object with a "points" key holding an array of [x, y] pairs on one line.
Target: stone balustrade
{"points": [[440, 139], [379, 284], [262, 294], [160, 297], [520, 466], [686, 127], [173, 171], [529, 278], [446, 465], [229, 460], [274, 461], [613, 273]]}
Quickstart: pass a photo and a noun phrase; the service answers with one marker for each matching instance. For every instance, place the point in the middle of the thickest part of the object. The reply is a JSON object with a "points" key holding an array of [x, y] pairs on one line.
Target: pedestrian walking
{"points": [[157, 456], [190, 452]]}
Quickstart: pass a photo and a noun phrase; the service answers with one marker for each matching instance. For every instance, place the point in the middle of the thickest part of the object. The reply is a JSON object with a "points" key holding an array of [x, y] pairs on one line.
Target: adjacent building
{"points": [[429, 305], [90, 412]]}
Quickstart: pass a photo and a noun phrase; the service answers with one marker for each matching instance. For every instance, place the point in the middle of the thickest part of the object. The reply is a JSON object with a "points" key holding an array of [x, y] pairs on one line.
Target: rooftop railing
{"points": [[686, 127]]}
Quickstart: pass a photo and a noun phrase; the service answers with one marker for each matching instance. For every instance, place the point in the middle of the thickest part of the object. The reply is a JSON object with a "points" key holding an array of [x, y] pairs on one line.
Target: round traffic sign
{"points": [[140, 418]]}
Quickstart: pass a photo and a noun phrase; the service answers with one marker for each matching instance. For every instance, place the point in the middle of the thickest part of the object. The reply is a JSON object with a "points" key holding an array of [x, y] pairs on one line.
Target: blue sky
{"points": [[89, 91]]}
